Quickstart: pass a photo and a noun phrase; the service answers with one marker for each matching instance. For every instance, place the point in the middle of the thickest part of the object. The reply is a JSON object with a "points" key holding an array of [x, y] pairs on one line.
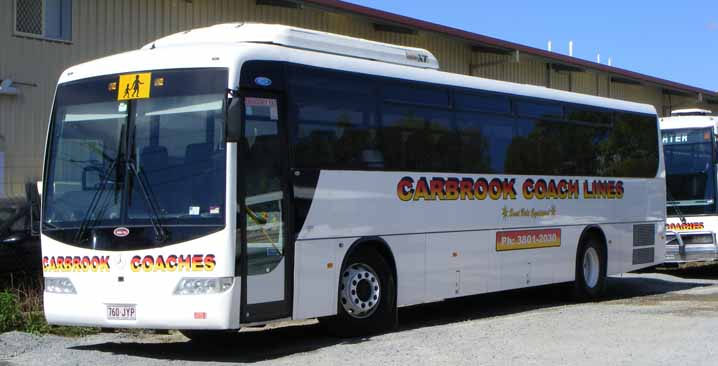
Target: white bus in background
{"points": [[245, 173], [689, 145]]}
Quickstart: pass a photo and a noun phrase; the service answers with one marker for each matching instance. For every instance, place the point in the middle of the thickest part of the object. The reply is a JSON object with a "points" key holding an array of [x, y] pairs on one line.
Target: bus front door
{"points": [[265, 248]]}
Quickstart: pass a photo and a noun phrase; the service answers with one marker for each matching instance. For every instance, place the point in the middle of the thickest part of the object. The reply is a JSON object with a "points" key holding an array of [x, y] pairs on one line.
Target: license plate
{"points": [[121, 312]]}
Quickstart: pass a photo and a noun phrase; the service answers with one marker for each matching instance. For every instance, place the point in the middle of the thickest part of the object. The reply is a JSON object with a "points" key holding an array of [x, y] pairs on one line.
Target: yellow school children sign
{"points": [[134, 86]]}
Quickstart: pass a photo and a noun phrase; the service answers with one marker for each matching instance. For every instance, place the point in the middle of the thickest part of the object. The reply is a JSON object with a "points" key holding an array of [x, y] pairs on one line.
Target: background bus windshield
{"points": [[690, 171], [151, 162]]}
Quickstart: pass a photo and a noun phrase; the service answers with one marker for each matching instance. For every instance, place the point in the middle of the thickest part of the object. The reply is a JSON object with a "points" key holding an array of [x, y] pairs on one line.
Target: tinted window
{"points": [[341, 124], [538, 109], [6, 213], [414, 138], [336, 125], [19, 223], [416, 94], [588, 115], [483, 142], [631, 149], [483, 102], [554, 148]]}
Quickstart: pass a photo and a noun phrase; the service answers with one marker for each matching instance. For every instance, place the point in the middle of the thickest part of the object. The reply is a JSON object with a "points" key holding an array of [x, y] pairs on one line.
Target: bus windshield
{"points": [[137, 162], [690, 171]]}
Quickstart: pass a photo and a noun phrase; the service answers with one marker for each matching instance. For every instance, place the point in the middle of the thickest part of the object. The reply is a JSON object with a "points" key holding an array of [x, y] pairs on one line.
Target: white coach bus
{"points": [[689, 145], [245, 173]]}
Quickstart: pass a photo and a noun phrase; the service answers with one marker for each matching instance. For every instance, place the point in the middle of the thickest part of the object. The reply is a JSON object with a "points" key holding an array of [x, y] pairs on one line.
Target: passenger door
{"points": [[266, 247]]}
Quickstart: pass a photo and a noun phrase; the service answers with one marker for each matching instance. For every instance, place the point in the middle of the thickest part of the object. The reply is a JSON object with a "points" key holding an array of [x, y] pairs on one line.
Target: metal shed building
{"points": [[40, 38]]}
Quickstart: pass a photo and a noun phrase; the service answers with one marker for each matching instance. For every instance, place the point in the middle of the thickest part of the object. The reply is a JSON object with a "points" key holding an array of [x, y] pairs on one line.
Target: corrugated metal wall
{"points": [[103, 27]]}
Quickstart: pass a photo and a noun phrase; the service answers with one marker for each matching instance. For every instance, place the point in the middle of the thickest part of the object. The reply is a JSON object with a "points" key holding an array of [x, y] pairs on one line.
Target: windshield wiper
{"points": [[160, 232], [47, 225], [675, 208], [96, 200], [98, 194]]}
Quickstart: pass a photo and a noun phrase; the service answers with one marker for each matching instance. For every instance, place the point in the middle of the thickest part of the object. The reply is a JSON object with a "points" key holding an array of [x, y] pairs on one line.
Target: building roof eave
{"points": [[502, 44]]}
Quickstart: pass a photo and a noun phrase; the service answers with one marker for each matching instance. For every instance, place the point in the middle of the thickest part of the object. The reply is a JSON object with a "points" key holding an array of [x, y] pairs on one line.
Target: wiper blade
{"points": [[95, 201], [155, 219], [98, 194], [47, 225], [674, 207]]}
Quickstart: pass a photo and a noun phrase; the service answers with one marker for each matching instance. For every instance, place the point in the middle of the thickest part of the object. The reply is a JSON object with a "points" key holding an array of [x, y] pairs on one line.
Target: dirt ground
{"points": [[657, 317]]}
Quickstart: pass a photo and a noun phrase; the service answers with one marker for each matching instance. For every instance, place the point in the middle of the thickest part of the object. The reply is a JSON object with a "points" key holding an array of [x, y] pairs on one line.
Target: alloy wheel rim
{"points": [[591, 267], [360, 290]]}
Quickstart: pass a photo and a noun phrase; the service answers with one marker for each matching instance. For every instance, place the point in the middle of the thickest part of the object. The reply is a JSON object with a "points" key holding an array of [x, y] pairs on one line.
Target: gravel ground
{"points": [[664, 318]]}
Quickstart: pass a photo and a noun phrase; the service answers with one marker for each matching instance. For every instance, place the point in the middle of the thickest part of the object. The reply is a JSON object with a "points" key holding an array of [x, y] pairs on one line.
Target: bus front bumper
{"points": [[691, 247], [213, 311]]}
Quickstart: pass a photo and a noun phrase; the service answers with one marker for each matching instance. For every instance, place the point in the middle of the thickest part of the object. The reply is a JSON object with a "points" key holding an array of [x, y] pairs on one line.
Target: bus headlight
{"points": [[203, 286], [59, 285]]}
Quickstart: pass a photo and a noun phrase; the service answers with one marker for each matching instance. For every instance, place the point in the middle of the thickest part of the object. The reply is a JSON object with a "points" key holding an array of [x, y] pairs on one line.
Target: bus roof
{"points": [[197, 49], [301, 38], [688, 121], [691, 112]]}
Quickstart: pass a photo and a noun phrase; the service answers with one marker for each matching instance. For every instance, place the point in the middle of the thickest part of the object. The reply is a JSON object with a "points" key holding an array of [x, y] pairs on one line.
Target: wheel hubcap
{"points": [[360, 290], [591, 268]]}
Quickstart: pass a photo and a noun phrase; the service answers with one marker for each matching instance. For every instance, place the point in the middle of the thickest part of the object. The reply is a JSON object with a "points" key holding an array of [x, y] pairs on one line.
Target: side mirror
{"points": [[233, 122], [233, 128], [32, 191]]}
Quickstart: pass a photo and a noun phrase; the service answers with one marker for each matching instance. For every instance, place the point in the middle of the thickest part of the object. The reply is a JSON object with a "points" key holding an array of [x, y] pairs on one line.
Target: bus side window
{"points": [[485, 140], [335, 122]]}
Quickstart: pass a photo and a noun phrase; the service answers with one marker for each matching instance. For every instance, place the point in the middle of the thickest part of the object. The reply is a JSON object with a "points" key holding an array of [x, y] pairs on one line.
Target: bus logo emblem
{"points": [[121, 232], [263, 81]]}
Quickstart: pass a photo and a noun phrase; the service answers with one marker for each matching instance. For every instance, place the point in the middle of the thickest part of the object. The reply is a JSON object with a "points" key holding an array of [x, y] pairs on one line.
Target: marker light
{"points": [[59, 285], [159, 82], [112, 86], [203, 286]]}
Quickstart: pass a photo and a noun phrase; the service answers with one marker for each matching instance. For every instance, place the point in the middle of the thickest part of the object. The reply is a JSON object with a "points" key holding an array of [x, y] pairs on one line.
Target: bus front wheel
{"points": [[590, 282], [367, 296]]}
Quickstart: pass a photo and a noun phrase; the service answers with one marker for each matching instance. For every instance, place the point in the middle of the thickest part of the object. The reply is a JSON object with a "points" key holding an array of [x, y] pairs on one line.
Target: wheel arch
{"points": [[386, 317], [594, 231], [381, 247]]}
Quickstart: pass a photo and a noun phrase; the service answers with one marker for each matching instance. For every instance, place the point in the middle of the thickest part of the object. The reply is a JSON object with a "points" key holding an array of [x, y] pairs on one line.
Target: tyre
{"points": [[367, 296], [590, 282]]}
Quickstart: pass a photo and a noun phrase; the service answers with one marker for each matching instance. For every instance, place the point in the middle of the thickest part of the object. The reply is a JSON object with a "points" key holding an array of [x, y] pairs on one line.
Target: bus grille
{"points": [[643, 235], [643, 255]]}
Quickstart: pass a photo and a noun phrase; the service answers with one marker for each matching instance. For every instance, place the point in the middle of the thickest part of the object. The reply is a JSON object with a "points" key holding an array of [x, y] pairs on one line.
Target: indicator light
{"points": [[112, 86], [159, 82]]}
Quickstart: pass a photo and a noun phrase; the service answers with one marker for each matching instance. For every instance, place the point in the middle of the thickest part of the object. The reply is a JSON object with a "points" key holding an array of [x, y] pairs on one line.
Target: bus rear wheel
{"points": [[367, 296], [590, 282]]}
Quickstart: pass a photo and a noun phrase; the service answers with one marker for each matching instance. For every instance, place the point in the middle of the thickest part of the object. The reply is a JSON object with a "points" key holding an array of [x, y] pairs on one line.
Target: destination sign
{"points": [[676, 137]]}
